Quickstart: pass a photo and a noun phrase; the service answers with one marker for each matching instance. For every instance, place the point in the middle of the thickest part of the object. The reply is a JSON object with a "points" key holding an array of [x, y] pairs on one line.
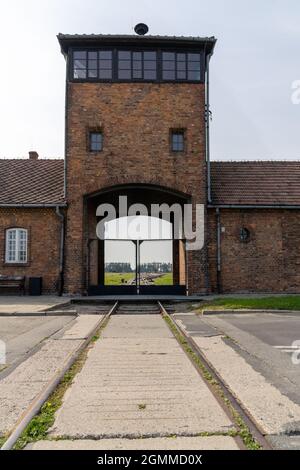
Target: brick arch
{"points": [[153, 184]]}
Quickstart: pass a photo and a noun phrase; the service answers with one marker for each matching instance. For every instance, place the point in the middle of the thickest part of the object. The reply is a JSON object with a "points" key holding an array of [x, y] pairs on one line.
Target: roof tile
{"points": [[31, 181], [259, 182]]}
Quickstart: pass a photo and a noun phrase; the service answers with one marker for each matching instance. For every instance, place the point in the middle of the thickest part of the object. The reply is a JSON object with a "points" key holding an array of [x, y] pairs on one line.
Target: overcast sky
{"points": [[256, 60]]}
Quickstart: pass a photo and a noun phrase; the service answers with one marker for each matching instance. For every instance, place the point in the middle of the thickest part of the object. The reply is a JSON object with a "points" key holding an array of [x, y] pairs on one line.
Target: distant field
{"points": [[118, 279]]}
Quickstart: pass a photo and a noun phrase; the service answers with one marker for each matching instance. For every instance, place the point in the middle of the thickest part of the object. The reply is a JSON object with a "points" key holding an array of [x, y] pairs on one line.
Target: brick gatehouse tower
{"points": [[136, 115]]}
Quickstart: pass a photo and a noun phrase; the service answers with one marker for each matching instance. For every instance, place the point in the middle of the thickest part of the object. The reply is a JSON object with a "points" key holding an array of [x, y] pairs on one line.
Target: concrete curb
{"points": [[58, 306], [243, 311], [44, 313]]}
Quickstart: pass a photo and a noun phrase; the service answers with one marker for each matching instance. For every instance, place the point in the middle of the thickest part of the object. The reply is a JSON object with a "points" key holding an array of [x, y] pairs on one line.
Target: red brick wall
{"points": [[269, 262], [43, 228], [136, 120]]}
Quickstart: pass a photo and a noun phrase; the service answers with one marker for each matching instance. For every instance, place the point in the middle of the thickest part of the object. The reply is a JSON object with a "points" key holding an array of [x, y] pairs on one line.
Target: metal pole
{"points": [[207, 117], [61, 251]]}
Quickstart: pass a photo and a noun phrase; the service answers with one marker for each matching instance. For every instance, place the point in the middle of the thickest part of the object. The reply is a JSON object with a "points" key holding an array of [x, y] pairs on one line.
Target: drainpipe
{"points": [[61, 251], [207, 134], [218, 215], [66, 124]]}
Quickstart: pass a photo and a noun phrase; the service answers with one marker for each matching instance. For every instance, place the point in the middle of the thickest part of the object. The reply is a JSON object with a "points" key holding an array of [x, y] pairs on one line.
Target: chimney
{"points": [[33, 155]]}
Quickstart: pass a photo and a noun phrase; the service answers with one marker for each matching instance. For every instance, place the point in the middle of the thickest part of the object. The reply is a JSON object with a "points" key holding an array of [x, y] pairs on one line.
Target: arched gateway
{"points": [[140, 253]]}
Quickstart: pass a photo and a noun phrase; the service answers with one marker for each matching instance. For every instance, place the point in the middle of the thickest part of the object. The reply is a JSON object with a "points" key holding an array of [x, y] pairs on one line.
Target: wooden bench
{"points": [[13, 282]]}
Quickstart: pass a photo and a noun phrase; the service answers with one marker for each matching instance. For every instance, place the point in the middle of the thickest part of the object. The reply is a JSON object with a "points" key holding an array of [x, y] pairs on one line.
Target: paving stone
{"points": [[19, 389], [274, 412]]}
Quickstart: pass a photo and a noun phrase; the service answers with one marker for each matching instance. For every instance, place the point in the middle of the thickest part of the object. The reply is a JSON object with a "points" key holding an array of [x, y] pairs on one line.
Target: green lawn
{"points": [[288, 302], [115, 279], [164, 280]]}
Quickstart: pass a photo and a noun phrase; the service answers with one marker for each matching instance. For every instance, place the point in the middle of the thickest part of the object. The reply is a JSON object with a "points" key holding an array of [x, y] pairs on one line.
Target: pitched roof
{"points": [[31, 181], [26, 181], [257, 183]]}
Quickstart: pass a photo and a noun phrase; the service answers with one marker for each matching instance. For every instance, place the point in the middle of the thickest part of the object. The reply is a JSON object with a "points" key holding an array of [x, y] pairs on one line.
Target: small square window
{"points": [[177, 141], [96, 142]]}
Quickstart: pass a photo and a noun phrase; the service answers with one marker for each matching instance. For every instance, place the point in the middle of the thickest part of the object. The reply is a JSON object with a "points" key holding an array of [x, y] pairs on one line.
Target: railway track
{"points": [[166, 311], [188, 345]]}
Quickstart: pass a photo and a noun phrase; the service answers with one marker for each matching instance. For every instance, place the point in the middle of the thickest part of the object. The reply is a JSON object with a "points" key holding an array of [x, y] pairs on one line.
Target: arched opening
{"points": [[138, 254]]}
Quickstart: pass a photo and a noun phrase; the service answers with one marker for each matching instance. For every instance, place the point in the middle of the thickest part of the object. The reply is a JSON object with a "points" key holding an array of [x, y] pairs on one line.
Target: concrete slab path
{"points": [[22, 334], [10, 304], [138, 382], [263, 379], [273, 412], [20, 386]]}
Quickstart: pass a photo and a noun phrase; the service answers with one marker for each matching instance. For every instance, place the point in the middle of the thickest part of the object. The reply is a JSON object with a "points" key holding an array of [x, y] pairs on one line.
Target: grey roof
{"points": [[68, 40]]}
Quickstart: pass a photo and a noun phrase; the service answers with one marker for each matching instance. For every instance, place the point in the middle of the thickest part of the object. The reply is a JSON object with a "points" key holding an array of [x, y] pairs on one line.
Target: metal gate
{"points": [[139, 267]]}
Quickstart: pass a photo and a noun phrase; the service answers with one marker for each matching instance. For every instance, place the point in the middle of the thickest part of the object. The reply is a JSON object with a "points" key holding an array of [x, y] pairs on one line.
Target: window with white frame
{"points": [[16, 245]]}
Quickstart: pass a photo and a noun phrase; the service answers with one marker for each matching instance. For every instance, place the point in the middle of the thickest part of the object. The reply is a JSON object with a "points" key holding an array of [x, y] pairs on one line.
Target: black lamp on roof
{"points": [[141, 29]]}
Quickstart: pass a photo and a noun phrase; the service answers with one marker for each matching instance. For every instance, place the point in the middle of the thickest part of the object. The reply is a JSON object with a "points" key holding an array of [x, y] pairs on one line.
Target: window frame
{"points": [[159, 64], [87, 51], [186, 69], [17, 259], [178, 132], [92, 132], [142, 62]]}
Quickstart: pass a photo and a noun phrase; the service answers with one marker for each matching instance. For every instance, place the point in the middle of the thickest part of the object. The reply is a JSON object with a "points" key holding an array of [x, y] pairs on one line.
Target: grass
{"points": [[117, 279], [164, 280], [243, 430], [287, 302], [2, 440]]}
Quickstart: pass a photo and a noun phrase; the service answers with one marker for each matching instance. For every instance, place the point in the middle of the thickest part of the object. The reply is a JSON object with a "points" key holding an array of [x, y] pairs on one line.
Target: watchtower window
{"points": [[117, 65], [105, 65], [137, 65], [181, 66], [80, 64], [92, 65]]}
